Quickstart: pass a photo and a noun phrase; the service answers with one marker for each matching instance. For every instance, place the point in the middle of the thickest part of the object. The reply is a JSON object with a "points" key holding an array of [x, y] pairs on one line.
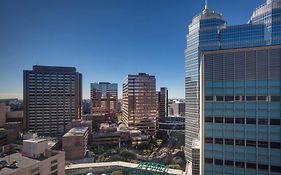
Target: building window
{"points": [[218, 162], [240, 120], [229, 120], [219, 98], [251, 165], [262, 144], [262, 98], [240, 142], [228, 142], [250, 120], [209, 140], [54, 161], [228, 162], [54, 167], [218, 120], [276, 169], [263, 167], [250, 98], [251, 143], [275, 145], [209, 98], [229, 98], [240, 164], [208, 160], [263, 121], [218, 141], [274, 122], [208, 119]]}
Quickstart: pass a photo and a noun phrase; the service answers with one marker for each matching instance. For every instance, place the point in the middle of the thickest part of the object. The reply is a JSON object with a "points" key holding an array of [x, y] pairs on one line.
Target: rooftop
{"points": [[35, 140], [21, 162], [76, 131]]}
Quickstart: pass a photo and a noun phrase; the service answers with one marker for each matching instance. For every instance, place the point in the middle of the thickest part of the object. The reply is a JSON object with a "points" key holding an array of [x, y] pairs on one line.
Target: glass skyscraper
{"points": [[240, 115], [209, 31], [104, 96], [203, 35]]}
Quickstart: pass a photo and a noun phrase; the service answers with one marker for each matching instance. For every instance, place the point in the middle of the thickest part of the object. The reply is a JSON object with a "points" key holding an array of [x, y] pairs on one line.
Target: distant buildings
{"points": [[86, 106], [3, 112], [104, 98], [35, 159], [52, 98], [162, 102], [139, 102], [10, 123], [176, 108], [111, 135], [75, 143], [241, 123]]}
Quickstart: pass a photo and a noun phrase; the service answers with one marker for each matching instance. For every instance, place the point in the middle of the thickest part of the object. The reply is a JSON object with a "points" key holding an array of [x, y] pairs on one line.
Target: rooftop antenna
{"points": [[206, 5]]}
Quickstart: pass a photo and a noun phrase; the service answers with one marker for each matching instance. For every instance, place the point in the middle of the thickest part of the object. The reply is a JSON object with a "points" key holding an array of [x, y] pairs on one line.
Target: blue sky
{"points": [[104, 39]]}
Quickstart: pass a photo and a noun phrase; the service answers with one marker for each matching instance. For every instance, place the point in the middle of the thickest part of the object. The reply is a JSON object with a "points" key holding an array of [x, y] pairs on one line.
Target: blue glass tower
{"points": [[209, 31], [269, 14], [203, 35]]}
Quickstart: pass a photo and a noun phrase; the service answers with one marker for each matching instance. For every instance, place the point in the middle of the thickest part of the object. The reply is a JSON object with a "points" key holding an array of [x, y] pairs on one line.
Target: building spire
{"points": [[206, 5]]}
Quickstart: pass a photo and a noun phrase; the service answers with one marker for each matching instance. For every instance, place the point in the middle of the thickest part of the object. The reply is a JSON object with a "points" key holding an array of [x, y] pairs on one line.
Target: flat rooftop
{"points": [[22, 162], [76, 131], [35, 140]]}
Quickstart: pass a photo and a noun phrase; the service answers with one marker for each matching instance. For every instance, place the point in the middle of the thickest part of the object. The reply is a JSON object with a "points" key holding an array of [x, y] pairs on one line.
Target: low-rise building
{"points": [[75, 142], [35, 159], [107, 138]]}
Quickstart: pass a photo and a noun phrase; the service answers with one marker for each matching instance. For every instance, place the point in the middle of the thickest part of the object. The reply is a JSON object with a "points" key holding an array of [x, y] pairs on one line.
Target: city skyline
{"points": [[78, 34]]}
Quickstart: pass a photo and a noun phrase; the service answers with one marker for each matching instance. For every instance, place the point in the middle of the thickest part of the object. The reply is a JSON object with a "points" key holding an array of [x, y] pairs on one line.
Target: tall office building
{"points": [[269, 14], [139, 102], [104, 99], [162, 102], [206, 25], [241, 123], [209, 31], [52, 98]]}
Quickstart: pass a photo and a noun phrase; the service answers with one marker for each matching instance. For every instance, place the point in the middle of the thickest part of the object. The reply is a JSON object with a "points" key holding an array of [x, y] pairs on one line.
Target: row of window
{"points": [[238, 142], [242, 120], [239, 164], [243, 98]]}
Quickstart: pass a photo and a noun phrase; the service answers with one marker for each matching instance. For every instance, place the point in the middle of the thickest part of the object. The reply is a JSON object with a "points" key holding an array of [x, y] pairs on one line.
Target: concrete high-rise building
{"points": [[162, 102], [52, 98], [104, 98], [139, 102], [240, 114], [209, 31]]}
